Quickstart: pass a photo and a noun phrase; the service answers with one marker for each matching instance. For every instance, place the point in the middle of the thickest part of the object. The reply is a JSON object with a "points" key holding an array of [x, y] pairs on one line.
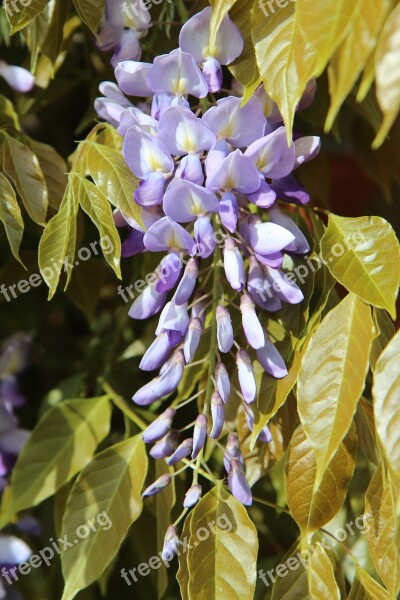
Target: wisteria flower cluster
{"points": [[13, 359], [210, 172]]}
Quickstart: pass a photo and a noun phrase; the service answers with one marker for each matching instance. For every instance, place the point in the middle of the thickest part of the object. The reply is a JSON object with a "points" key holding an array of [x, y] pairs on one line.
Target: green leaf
{"points": [[91, 12], [85, 286], [223, 565], [183, 571], [62, 443], [220, 9], [386, 392], [380, 520], [111, 485], [8, 116], [285, 61], [387, 73], [19, 15], [325, 24], [58, 242], [44, 35], [311, 509], [23, 168], [113, 177], [97, 207], [321, 576], [10, 216], [351, 57], [385, 330], [245, 69], [332, 377], [363, 254], [293, 585], [366, 588], [54, 170]]}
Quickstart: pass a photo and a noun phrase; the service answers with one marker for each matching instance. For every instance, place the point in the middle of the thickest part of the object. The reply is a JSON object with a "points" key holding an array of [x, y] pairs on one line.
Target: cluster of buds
{"points": [[210, 173]]}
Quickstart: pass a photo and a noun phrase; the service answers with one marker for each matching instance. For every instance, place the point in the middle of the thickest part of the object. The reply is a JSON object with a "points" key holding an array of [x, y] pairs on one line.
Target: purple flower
{"points": [[251, 325], [166, 446], [272, 156], [232, 451], [163, 385], [218, 415], [224, 329], [239, 126], [148, 304], [234, 265], [18, 78], [160, 427], [238, 483], [192, 496], [183, 451], [192, 339], [271, 361], [185, 201], [199, 435], [181, 132], [177, 73], [187, 284], [236, 172], [165, 234], [171, 540], [222, 381], [247, 379], [131, 76], [158, 486]]}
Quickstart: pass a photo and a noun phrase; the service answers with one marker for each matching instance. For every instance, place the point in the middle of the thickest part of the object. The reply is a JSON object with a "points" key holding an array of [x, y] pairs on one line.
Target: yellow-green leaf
{"points": [[113, 177], [62, 444], [293, 584], [10, 216], [386, 392], [111, 486], [245, 69], [285, 60], [321, 576], [310, 509], [97, 207], [364, 255], [380, 520], [387, 74], [385, 330], [366, 588], [8, 116], [54, 170], [350, 59], [23, 168], [91, 12], [332, 377], [183, 571], [58, 242], [325, 24], [225, 564], [20, 14], [220, 9]]}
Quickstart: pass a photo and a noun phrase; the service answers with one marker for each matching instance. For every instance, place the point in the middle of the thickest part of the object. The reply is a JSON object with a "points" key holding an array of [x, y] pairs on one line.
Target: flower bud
{"points": [[166, 446], [234, 265], [158, 486], [238, 483], [159, 427], [199, 434], [218, 415], [181, 452], [251, 325], [247, 379], [222, 381], [224, 329], [192, 339], [187, 284], [171, 540], [192, 496], [232, 451]]}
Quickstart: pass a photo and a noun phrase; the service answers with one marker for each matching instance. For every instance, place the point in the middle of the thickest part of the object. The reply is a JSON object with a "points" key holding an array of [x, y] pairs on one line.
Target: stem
{"points": [[213, 356], [271, 505], [182, 10], [121, 404]]}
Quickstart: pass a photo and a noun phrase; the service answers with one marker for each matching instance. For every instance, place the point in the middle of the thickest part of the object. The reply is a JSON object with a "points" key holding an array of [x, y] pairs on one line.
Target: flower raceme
{"points": [[207, 178]]}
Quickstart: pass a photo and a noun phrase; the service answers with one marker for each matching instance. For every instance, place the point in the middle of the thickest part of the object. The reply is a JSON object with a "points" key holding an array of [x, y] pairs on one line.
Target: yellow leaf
{"points": [[23, 168], [332, 378], [386, 392], [367, 78], [54, 170], [366, 588], [321, 576], [285, 60], [387, 73], [325, 24], [20, 14], [245, 69], [385, 330], [350, 59], [10, 216], [91, 12], [310, 509], [380, 520], [363, 254], [220, 9], [58, 242], [183, 572], [224, 564]]}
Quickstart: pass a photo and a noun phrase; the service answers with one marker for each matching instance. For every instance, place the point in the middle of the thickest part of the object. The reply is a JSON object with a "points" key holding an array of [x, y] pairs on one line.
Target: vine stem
{"points": [[121, 404], [182, 10], [213, 356]]}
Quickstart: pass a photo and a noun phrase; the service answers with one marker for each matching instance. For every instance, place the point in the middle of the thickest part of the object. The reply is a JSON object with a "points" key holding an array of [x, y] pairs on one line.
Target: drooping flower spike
{"points": [[211, 173]]}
